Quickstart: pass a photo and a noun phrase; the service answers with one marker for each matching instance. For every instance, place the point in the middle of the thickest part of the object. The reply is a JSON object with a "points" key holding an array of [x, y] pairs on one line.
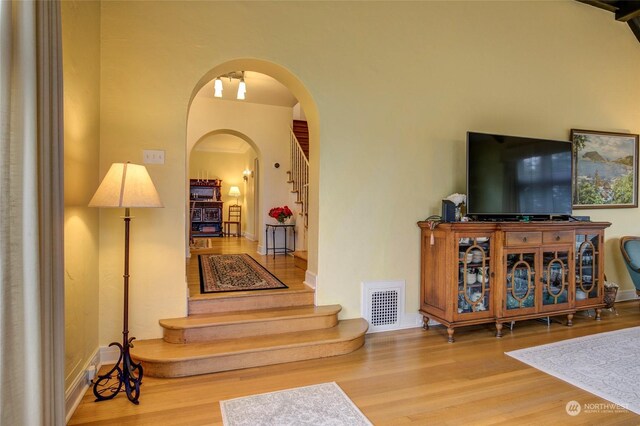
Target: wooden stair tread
{"points": [[157, 350], [210, 303], [242, 317], [229, 295]]}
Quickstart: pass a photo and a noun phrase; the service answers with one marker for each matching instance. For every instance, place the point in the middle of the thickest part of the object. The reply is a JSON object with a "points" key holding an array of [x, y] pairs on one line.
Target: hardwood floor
{"points": [[401, 377]]}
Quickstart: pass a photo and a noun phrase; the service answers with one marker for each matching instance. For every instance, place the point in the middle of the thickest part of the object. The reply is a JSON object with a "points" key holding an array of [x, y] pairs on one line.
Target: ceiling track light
{"points": [[217, 88], [242, 86]]}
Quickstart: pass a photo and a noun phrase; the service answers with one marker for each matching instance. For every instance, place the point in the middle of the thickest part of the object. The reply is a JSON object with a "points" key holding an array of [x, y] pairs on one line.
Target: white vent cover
{"points": [[383, 305]]}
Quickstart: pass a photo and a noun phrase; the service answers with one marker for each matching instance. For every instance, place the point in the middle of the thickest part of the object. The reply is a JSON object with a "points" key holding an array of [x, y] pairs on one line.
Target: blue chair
{"points": [[630, 248]]}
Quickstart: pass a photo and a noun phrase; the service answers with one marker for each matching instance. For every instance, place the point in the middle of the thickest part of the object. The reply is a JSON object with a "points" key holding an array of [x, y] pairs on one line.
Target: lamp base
{"points": [[108, 385]]}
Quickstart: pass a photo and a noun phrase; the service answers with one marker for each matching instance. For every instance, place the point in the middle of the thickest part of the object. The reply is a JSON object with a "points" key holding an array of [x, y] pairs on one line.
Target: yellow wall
{"points": [[248, 194], [81, 73], [396, 85]]}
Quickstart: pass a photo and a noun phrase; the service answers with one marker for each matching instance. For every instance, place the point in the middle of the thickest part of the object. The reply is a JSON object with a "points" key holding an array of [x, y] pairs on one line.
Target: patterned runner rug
{"points": [[234, 272], [605, 364], [317, 405]]}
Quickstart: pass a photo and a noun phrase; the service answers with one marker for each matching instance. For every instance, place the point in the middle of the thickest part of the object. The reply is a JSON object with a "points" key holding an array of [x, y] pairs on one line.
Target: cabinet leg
{"points": [[598, 312], [450, 333], [425, 322], [569, 320], [498, 329]]}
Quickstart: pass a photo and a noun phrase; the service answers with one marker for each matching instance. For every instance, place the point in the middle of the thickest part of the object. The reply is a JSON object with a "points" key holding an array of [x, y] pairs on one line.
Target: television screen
{"points": [[509, 175]]}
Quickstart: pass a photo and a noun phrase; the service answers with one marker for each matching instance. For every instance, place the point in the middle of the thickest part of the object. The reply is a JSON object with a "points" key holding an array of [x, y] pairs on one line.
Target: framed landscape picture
{"points": [[605, 169]]}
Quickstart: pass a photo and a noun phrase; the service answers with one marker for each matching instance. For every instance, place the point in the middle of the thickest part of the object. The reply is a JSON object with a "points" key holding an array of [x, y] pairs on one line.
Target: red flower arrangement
{"points": [[280, 213]]}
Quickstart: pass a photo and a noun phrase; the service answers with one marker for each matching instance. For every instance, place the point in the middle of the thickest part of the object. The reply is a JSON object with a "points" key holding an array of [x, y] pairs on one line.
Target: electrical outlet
{"points": [[153, 156], [91, 372]]}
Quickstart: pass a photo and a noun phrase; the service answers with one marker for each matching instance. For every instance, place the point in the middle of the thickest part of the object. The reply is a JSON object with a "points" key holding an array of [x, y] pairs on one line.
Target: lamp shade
{"points": [[234, 191], [126, 185]]}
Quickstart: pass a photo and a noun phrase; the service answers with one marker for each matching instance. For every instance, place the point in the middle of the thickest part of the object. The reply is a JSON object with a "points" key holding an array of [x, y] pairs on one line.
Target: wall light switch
{"points": [[153, 156]]}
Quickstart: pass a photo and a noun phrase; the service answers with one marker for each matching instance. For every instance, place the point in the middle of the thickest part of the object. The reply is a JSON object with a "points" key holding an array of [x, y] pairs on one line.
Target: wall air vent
{"points": [[383, 305]]}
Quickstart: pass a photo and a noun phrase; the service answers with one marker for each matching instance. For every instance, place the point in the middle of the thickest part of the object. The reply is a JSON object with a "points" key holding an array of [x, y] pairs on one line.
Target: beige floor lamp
{"points": [[125, 185]]}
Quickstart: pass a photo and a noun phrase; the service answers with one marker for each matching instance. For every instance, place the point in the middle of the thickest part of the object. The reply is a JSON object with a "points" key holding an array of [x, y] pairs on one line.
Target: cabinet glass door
{"points": [[587, 272], [555, 279], [474, 277], [520, 283]]}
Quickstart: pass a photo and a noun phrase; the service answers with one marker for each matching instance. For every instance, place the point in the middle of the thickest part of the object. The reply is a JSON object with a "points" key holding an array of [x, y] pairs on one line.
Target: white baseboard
{"points": [[408, 321], [109, 355], [310, 279], [415, 320], [411, 320], [104, 355], [626, 295], [261, 250], [79, 386], [249, 236]]}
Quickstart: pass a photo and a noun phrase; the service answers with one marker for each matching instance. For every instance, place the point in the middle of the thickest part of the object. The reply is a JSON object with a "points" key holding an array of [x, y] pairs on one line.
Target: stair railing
{"points": [[299, 175]]}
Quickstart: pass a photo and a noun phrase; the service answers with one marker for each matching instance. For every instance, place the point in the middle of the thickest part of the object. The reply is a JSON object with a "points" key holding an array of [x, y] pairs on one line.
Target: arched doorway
{"points": [[271, 160], [231, 158]]}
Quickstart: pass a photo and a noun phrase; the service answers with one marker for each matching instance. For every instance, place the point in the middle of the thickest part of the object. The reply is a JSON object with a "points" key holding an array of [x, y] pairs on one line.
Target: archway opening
{"points": [[249, 118], [222, 162]]}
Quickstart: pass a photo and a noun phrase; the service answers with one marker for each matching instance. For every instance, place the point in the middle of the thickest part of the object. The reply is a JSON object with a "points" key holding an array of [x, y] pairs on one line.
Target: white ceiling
{"points": [[261, 89], [222, 143]]}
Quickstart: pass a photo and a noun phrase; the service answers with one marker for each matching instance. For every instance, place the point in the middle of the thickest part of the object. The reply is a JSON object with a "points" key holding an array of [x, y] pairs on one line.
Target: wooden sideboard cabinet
{"points": [[482, 272], [205, 208]]}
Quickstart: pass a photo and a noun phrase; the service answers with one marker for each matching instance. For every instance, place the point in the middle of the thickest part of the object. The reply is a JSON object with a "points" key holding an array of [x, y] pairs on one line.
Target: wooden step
{"points": [[209, 327], [250, 300], [300, 259], [162, 359]]}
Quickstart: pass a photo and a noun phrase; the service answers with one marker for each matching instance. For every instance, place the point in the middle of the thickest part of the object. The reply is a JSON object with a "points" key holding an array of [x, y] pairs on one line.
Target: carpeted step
{"points": [[162, 359], [250, 300], [209, 327]]}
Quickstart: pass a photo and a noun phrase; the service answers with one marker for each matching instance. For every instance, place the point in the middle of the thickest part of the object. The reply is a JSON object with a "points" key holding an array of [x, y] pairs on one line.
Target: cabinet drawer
{"points": [[549, 237], [524, 238]]}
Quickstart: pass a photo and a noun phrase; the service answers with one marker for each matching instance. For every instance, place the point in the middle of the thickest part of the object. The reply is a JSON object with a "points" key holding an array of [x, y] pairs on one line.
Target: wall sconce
{"points": [[246, 173]]}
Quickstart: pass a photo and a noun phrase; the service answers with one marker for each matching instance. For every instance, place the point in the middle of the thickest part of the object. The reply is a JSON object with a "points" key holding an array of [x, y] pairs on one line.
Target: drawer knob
{"points": [[557, 237], [524, 239]]}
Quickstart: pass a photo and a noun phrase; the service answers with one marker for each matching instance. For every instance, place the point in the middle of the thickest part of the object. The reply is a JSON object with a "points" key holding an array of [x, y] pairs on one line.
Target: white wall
{"points": [[396, 86]]}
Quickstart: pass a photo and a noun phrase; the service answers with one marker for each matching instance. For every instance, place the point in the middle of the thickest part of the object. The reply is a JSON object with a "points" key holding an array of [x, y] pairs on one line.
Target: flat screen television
{"points": [[517, 176]]}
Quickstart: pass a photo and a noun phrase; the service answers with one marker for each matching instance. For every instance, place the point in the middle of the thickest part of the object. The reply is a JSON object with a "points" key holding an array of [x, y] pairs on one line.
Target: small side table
{"points": [[273, 248]]}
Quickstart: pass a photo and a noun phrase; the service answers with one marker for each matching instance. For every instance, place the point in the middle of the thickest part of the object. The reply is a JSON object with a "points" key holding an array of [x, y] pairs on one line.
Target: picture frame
{"points": [[196, 214], [605, 169], [212, 214]]}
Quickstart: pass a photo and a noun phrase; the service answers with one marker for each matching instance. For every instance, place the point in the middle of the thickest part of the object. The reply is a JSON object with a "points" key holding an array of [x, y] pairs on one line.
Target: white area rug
{"points": [[605, 364], [317, 405]]}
